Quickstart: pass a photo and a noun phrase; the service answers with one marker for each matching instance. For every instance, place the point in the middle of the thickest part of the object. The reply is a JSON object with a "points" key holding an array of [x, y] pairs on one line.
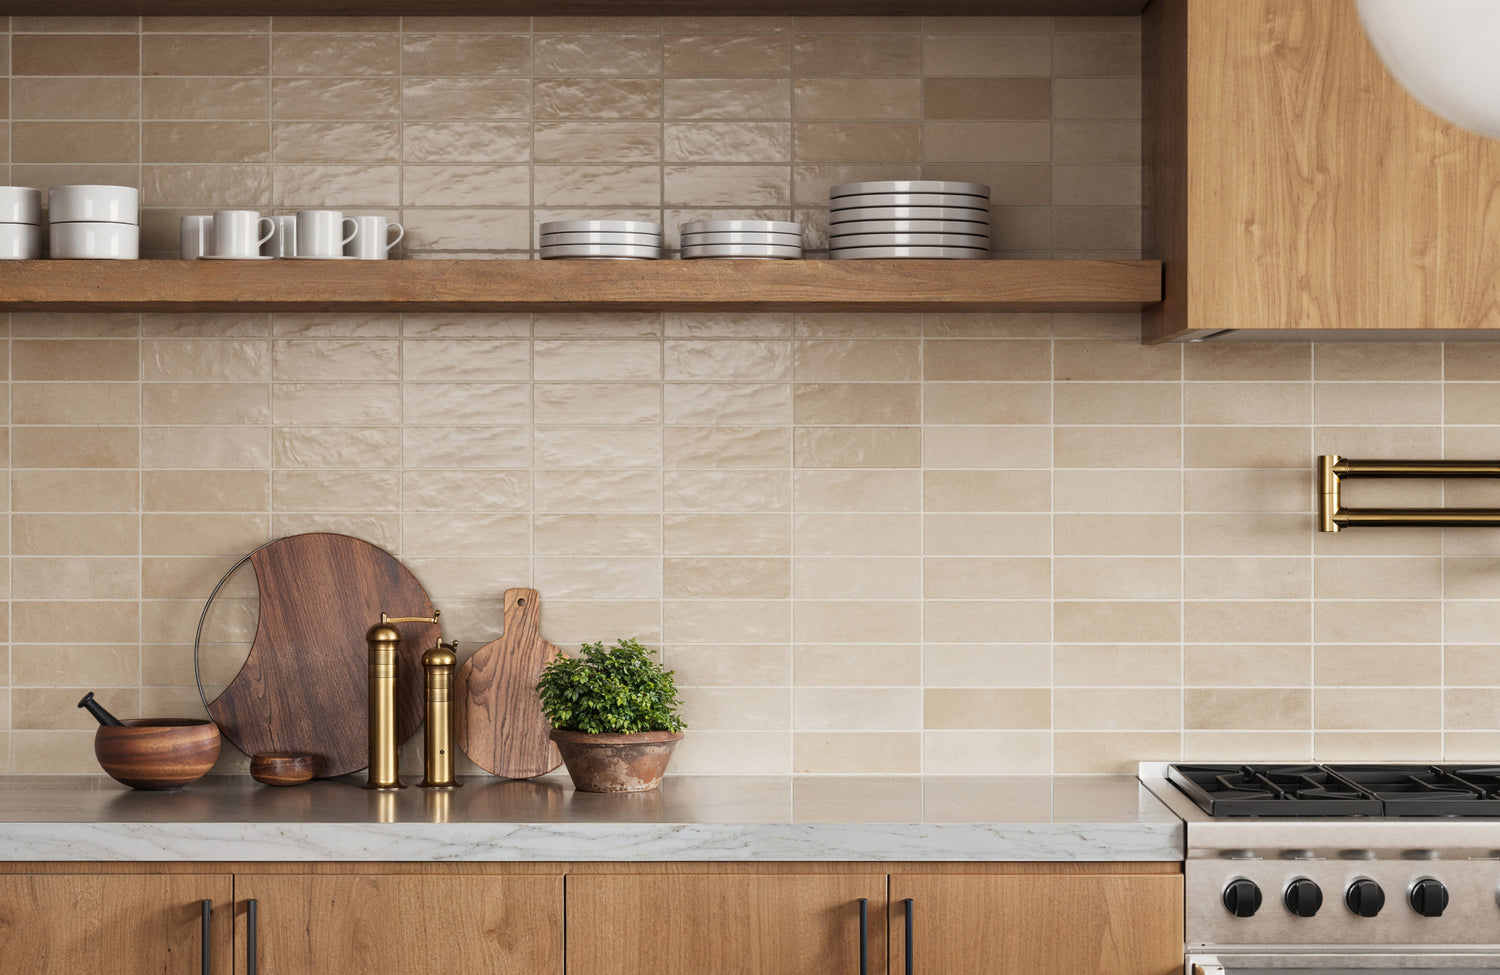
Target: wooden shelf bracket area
{"points": [[499, 285]]}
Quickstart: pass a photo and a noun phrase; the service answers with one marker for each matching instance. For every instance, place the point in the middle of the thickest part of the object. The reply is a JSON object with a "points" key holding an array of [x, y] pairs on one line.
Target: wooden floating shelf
{"points": [[894, 285], [574, 8]]}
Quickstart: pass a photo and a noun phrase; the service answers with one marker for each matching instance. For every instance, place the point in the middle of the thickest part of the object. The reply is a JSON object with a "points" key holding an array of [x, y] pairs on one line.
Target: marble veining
{"points": [[893, 818]]}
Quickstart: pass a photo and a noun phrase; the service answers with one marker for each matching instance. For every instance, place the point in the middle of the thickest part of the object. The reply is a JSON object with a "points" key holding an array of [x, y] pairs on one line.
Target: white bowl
{"points": [[90, 203], [95, 241], [20, 204], [20, 242]]}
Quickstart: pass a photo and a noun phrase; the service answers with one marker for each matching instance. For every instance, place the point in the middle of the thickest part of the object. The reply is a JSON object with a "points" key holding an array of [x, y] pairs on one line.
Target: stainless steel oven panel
{"points": [[1344, 964], [1471, 921]]}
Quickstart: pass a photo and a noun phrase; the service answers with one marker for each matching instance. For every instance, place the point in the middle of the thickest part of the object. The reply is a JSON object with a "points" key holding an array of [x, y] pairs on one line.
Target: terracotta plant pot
{"points": [[616, 763]]}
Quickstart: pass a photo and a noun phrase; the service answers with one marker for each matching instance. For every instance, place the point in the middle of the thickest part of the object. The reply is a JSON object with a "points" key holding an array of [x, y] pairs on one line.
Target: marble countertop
{"points": [[896, 818]]}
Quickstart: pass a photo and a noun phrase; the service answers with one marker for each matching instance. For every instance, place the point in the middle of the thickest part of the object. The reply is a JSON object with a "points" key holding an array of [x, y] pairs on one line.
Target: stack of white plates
{"points": [[763, 239], [909, 218], [620, 240]]}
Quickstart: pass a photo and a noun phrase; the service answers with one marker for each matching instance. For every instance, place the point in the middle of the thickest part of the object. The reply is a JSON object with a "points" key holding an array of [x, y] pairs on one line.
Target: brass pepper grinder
{"points": [[384, 641], [437, 757]]}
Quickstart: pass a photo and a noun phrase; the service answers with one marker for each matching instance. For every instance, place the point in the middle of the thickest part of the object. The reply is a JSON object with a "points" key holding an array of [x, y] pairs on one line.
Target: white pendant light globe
{"points": [[1445, 52]]}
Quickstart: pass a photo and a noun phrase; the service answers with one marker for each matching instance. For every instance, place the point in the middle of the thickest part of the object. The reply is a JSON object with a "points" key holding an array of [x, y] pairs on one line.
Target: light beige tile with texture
{"points": [[864, 577], [465, 98], [74, 490], [633, 491], [344, 54], [1247, 578], [1121, 708], [1117, 665], [727, 186], [597, 447], [1246, 620], [726, 56], [1105, 621], [992, 752], [959, 709], [1117, 447], [726, 447], [727, 98], [1368, 621], [856, 709], [707, 620], [1114, 752], [987, 55], [884, 753], [981, 578], [1117, 490], [726, 578], [205, 98], [64, 447], [75, 54], [987, 142], [462, 54], [75, 403], [77, 578], [1378, 403], [1116, 578], [614, 403], [857, 621], [709, 533], [726, 491], [873, 665], [1002, 403], [1377, 708]]}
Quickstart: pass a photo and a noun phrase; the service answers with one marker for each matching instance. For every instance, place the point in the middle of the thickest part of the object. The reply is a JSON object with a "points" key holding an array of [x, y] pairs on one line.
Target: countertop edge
{"points": [[603, 842]]}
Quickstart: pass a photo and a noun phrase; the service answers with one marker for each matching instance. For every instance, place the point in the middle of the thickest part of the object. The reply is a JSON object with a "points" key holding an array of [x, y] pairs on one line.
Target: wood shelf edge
{"points": [[499, 285]]}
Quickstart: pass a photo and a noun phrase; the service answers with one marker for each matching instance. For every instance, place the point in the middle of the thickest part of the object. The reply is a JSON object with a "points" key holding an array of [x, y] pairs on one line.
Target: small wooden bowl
{"points": [[155, 754], [283, 768]]}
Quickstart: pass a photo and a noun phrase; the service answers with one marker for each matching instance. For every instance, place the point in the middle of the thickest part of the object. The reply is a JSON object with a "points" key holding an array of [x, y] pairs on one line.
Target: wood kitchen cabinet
{"points": [[1292, 184], [401, 924], [728, 923], [1082, 919], [103, 924]]}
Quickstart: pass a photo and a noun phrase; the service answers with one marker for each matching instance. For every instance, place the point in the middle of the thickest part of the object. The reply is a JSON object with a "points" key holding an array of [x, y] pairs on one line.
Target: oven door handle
{"points": [[1204, 965]]}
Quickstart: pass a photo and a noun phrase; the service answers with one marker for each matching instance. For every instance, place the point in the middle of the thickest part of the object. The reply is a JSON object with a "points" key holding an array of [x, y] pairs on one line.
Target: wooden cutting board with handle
{"points": [[303, 686], [497, 716]]}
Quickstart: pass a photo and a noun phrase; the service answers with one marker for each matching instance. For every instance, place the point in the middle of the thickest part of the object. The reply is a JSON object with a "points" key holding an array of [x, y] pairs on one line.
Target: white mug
{"points": [[323, 233], [235, 232], [370, 233], [197, 233], [283, 242]]}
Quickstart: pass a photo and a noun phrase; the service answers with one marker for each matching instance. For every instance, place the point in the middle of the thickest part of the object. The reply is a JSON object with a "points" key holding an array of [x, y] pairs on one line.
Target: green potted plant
{"points": [[614, 716]]}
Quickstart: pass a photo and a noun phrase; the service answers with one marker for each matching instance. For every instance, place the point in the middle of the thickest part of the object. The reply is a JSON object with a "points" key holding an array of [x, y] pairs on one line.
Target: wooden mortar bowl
{"points": [[157, 753], [283, 768]]}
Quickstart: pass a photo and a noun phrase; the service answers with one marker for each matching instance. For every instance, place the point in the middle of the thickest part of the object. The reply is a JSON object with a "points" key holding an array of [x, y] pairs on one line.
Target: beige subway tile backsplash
{"points": [[867, 543]]}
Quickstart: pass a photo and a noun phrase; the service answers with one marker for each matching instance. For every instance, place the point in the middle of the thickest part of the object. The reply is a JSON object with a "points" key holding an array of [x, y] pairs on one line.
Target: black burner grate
{"points": [[1341, 790]]}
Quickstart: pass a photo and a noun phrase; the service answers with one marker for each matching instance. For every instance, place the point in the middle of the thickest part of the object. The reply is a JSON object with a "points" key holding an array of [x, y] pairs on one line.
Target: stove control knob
{"points": [[1302, 897], [1429, 897], [1241, 898], [1365, 898]]}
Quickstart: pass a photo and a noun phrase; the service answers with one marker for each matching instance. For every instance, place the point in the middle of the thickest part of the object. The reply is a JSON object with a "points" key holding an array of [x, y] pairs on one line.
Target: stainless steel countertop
{"points": [[689, 818]]}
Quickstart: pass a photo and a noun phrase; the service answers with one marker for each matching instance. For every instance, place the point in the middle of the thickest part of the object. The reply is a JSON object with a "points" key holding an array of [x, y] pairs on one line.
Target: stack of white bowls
{"points": [[762, 239], [926, 218], [620, 240], [94, 222], [20, 223]]}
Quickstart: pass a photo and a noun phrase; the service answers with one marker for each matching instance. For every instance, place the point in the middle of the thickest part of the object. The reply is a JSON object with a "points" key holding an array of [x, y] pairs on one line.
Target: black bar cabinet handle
{"points": [[864, 936], [208, 913], [250, 952], [908, 902]]}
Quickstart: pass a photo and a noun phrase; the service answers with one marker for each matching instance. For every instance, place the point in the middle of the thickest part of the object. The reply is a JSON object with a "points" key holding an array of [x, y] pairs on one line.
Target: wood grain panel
{"points": [[405, 925], [1320, 194], [1164, 218], [1023, 925], [66, 925], [652, 8], [1021, 285], [728, 925]]}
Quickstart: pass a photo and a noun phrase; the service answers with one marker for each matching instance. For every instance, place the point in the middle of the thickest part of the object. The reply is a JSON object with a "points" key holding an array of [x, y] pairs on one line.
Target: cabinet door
{"points": [[102, 924], [1034, 924], [691, 924], [401, 924]]}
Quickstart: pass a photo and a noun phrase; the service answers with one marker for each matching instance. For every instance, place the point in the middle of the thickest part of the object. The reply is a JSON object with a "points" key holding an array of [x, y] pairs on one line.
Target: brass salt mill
{"points": [[437, 756], [384, 642]]}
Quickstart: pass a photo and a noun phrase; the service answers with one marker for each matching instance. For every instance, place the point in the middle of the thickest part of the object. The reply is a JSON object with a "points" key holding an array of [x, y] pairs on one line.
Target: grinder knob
{"points": [[1241, 898], [1365, 898], [1429, 897], [1303, 897]]}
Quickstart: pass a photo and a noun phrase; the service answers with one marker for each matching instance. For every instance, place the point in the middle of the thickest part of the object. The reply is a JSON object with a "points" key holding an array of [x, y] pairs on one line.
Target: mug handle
{"points": [[400, 232], [349, 222], [269, 233]]}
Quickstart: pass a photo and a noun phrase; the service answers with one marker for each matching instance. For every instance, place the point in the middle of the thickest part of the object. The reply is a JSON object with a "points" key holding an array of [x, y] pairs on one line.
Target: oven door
{"points": [[1301, 963]]}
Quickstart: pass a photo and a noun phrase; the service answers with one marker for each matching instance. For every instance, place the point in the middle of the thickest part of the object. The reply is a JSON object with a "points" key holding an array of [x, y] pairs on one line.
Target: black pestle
{"points": [[97, 710]]}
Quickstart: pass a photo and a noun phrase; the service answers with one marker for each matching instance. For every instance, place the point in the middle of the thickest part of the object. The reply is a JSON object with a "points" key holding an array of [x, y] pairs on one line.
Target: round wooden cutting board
{"points": [[303, 686], [497, 716]]}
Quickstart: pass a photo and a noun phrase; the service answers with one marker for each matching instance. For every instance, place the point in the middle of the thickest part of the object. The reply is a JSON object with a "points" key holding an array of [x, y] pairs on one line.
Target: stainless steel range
{"points": [[1338, 869]]}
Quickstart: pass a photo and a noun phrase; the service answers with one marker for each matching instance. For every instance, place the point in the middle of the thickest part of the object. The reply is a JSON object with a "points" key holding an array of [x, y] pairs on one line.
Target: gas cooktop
{"points": [[1382, 791]]}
